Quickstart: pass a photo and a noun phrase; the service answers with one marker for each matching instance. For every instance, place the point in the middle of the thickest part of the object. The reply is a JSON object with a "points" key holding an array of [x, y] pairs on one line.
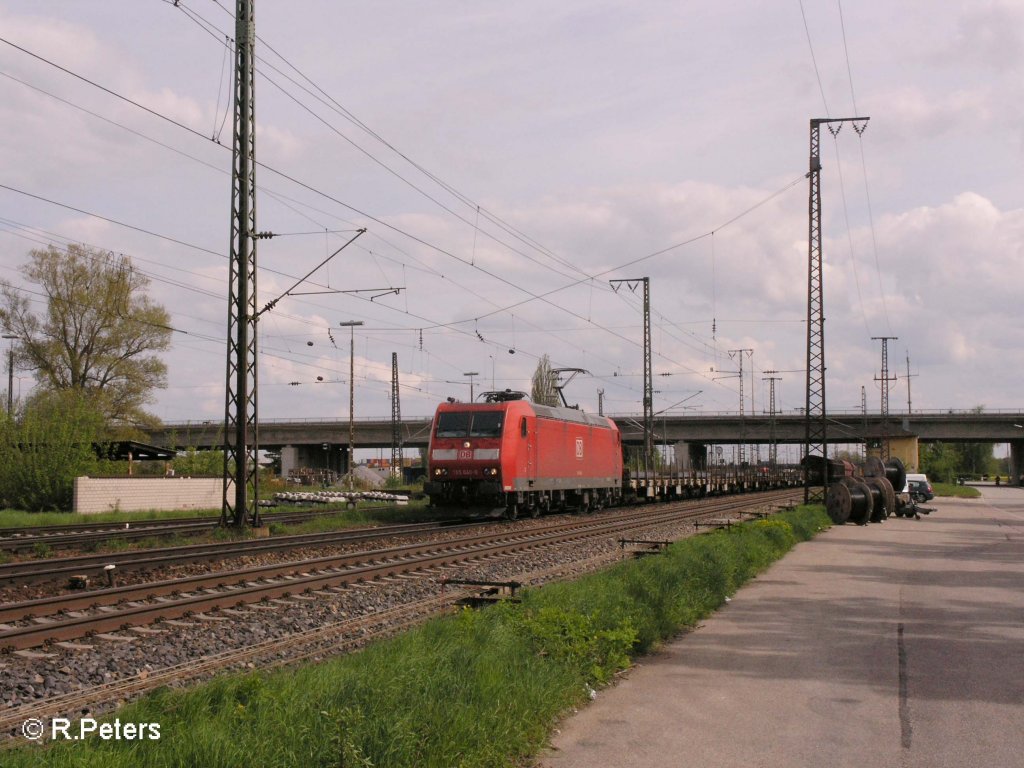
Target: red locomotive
{"points": [[513, 456]]}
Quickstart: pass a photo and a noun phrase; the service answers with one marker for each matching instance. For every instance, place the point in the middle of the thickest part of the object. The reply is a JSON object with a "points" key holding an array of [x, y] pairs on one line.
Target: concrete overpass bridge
{"points": [[322, 443]]}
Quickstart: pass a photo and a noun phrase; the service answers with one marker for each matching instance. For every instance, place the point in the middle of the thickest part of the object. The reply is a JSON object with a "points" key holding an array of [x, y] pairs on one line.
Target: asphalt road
{"points": [[899, 644]]}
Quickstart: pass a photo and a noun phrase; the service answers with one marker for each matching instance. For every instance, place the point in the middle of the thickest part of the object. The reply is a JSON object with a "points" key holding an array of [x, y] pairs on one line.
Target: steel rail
{"points": [[40, 571], [346, 635], [317, 642], [365, 566], [13, 540], [333, 637], [273, 652]]}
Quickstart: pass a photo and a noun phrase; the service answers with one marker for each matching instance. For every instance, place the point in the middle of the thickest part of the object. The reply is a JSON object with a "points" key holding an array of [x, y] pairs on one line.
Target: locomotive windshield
{"points": [[453, 425], [485, 424]]}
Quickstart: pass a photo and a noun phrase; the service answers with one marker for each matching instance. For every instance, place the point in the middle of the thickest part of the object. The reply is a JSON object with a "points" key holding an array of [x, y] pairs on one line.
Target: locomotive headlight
{"points": [[440, 471], [493, 471], [466, 444]]}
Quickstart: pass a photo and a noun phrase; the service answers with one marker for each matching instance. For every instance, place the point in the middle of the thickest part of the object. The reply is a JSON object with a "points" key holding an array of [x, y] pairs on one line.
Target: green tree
{"points": [[974, 459], [198, 463], [940, 462], [854, 457], [45, 447], [99, 333]]}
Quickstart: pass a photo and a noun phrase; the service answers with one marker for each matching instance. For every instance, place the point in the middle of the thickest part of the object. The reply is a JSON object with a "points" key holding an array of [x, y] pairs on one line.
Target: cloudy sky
{"points": [[508, 160]]}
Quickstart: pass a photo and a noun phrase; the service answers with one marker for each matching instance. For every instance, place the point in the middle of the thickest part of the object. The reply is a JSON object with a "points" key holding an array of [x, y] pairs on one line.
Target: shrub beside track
{"points": [[481, 688]]}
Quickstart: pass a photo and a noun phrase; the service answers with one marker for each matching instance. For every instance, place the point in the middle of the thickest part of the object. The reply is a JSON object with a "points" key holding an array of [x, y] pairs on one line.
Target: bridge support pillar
{"points": [[1016, 462], [696, 455], [313, 457], [289, 459], [906, 449]]}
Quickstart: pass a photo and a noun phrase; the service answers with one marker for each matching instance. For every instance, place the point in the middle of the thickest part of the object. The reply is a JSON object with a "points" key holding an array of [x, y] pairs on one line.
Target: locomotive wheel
{"points": [[512, 511], [535, 511]]}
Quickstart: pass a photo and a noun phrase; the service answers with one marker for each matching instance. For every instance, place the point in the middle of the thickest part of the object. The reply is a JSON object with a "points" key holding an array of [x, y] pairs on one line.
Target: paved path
{"points": [[900, 644]]}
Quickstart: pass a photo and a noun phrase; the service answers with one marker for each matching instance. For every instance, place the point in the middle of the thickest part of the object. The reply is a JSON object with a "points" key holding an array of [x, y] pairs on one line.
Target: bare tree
{"points": [[99, 332], [544, 380]]}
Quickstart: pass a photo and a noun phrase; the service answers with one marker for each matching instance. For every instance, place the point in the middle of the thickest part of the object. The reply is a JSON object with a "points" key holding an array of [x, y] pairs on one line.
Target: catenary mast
{"points": [[241, 439]]}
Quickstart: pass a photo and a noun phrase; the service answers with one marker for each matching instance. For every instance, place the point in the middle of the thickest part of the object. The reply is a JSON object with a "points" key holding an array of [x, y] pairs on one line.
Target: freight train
{"points": [[514, 457]]}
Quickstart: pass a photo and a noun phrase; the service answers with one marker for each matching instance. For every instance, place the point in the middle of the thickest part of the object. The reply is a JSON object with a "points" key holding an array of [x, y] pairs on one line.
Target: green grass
{"points": [[482, 688], [342, 519], [415, 512], [11, 518], [958, 491]]}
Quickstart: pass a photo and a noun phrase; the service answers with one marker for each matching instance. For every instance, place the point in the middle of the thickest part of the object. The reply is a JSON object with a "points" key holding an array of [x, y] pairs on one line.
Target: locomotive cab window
{"points": [[453, 425], [487, 424]]}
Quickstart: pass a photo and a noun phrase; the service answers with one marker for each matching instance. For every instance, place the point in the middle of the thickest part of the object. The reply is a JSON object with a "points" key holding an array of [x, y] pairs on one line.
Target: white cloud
{"points": [[992, 35], [605, 135]]}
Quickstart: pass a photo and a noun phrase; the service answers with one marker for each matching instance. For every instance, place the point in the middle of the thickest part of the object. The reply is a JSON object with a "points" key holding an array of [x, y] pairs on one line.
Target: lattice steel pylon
{"points": [[885, 378], [773, 442], [864, 422], [742, 452], [396, 421], [241, 432], [815, 419], [648, 377]]}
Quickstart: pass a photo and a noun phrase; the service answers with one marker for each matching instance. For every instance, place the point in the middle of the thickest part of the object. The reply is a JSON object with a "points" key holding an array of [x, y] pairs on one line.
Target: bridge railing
{"points": [[695, 416]]}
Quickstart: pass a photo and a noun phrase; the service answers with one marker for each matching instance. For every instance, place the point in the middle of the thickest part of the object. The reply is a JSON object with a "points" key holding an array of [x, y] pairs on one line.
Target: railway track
{"points": [[70, 617], [337, 637], [25, 539], [324, 640], [62, 568]]}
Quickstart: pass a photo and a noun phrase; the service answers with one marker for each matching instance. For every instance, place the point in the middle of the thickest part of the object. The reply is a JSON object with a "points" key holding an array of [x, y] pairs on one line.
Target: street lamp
{"points": [[351, 325], [10, 375], [471, 374]]}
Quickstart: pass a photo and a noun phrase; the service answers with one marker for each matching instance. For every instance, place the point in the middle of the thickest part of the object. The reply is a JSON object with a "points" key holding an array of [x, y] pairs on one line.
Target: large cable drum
{"points": [[861, 513], [896, 474], [838, 503], [874, 467], [884, 498], [892, 470], [848, 500]]}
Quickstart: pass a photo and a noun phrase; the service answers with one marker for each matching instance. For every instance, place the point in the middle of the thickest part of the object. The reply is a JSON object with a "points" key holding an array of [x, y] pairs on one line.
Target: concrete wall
{"points": [[129, 494], [907, 450], [1017, 462]]}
